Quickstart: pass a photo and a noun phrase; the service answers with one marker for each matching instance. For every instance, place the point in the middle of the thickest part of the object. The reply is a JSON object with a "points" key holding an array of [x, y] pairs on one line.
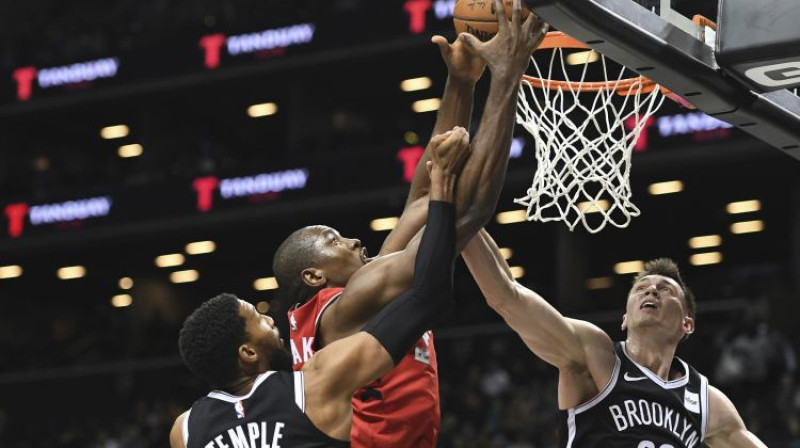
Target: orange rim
{"points": [[624, 87]]}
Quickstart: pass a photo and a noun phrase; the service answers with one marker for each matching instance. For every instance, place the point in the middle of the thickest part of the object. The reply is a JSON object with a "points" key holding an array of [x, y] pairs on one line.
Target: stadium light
{"points": [[747, 227], [262, 110], [112, 132], [428, 105], [262, 307], [121, 300], [506, 252], [700, 242], [517, 271], [706, 258], [125, 283], [673, 186], [592, 207], [582, 57], [201, 247], [187, 276], [414, 84], [629, 267], [71, 272], [735, 208], [599, 283], [511, 217], [266, 283], [382, 224], [11, 271], [132, 150], [170, 260]]}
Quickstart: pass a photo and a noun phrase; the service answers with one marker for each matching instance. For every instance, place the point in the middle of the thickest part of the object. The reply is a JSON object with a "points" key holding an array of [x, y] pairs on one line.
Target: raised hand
{"points": [[450, 150], [508, 53], [462, 64]]}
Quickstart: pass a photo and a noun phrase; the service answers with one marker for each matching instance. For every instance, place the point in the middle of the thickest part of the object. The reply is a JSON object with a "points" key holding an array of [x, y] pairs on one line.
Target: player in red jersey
{"points": [[313, 265]]}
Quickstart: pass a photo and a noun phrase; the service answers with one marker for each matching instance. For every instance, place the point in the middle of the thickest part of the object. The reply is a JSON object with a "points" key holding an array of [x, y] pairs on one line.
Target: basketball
{"points": [[478, 17]]}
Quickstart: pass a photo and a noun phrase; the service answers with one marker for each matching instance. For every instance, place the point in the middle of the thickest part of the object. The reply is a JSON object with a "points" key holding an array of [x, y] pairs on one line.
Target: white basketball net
{"points": [[583, 146]]}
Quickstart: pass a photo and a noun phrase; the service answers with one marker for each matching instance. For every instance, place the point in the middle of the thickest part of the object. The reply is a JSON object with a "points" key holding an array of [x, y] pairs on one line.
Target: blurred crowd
{"points": [[494, 393]]}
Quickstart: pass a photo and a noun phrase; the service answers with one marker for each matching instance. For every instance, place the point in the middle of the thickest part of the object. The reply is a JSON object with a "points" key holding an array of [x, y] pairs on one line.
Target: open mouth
{"points": [[648, 304]]}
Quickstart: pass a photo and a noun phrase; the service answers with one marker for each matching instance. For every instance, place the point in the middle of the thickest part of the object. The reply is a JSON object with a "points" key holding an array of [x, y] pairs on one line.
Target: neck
{"points": [[242, 386], [651, 353]]}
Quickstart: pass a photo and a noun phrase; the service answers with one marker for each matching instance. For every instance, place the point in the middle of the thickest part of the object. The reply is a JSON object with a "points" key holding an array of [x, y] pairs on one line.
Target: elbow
{"points": [[474, 219]]}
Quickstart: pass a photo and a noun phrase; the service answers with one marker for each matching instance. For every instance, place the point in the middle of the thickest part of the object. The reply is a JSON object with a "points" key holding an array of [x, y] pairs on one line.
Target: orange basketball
{"points": [[478, 17]]}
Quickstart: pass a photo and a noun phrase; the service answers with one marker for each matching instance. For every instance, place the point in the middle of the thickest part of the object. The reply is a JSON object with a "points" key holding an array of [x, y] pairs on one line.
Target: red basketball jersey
{"points": [[400, 409]]}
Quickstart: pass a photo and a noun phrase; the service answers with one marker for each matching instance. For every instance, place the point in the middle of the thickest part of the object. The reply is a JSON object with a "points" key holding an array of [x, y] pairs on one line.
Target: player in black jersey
{"points": [[634, 393], [237, 350]]}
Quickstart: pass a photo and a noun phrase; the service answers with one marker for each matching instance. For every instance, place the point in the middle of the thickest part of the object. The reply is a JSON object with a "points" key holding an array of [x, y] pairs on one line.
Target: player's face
{"points": [[265, 337], [341, 257], [657, 301]]}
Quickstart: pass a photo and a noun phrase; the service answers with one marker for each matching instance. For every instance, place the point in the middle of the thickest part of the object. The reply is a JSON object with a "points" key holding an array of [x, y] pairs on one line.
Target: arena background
{"points": [[130, 129]]}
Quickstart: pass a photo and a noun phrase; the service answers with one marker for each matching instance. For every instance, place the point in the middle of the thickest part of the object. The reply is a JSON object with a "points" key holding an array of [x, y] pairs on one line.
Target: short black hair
{"points": [[668, 268], [294, 255], [210, 338]]}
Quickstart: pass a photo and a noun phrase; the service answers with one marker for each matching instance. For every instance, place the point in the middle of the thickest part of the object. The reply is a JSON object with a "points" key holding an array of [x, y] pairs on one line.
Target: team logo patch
{"points": [[293, 322], [239, 408], [691, 401]]}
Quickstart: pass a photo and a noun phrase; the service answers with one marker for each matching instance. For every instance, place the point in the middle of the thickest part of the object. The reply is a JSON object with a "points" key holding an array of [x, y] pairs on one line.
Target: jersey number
{"points": [[649, 444]]}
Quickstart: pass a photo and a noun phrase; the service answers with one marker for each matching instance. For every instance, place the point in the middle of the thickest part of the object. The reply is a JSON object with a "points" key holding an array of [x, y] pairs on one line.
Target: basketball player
{"points": [[259, 402], [401, 409], [634, 393]]}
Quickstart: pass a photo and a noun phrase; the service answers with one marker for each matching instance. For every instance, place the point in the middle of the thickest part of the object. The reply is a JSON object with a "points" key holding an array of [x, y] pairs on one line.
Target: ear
{"points": [[248, 353], [314, 277], [624, 325], [688, 325]]}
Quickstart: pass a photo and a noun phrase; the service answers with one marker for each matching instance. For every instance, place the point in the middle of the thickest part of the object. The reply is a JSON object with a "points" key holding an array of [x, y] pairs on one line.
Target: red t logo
{"points": [[641, 143], [16, 218], [410, 158], [24, 77], [212, 44], [416, 10], [205, 187]]}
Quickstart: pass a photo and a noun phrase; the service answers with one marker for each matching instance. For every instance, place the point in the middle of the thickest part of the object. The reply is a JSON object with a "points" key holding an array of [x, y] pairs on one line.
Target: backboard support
{"points": [[668, 48]]}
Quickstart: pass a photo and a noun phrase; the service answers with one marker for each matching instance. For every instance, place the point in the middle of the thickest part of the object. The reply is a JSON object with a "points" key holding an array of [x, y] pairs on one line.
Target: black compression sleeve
{"points": [[401, 323]]}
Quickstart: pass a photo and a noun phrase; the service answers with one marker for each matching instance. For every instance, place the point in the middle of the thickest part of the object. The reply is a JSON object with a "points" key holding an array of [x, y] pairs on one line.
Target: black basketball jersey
{"points": [[638, 409], [272, 415]]}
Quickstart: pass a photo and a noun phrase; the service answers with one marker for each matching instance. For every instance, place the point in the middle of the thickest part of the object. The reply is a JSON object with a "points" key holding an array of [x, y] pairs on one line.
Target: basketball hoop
{"points": [[584, 132]]}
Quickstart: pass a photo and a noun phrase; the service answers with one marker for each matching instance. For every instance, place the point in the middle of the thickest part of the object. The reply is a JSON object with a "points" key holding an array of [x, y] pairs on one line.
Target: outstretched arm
{"points": [[478, 186], [582, 352], [464, 69], [725, 427], [334, 373]]}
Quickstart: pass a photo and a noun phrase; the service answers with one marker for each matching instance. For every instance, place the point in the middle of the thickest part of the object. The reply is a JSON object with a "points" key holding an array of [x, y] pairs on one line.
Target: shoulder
{"points": [[176, 434], [722, 414], [592, 338]]}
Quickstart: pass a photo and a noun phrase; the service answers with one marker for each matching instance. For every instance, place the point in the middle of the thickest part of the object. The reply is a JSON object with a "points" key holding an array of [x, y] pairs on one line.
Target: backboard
{"points": [[652, 38]]}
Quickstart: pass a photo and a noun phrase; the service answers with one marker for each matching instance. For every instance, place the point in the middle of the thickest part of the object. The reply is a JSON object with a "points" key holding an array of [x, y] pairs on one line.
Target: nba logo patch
{"points": [[239, 409], [691, 401], [293, 322]]}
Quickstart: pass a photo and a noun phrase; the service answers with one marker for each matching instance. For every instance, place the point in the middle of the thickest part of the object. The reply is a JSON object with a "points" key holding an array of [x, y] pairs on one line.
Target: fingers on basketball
{"points": [[480, 18]]}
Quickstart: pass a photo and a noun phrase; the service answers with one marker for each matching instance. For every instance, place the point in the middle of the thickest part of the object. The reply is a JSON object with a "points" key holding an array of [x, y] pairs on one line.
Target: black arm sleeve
{"points": [[401, 323]]}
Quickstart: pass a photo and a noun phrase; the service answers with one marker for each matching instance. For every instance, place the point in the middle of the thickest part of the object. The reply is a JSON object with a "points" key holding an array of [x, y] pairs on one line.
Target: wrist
{"points": [[443, 185], [465, 84]]}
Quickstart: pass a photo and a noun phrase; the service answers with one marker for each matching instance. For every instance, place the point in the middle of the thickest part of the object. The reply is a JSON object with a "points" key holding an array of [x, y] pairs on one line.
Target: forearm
{"points": [[398, 326], [481, 181], [454, 110], [543, 329]]}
